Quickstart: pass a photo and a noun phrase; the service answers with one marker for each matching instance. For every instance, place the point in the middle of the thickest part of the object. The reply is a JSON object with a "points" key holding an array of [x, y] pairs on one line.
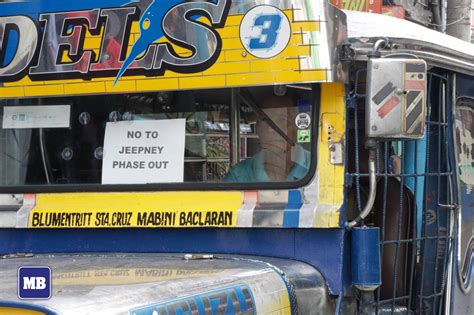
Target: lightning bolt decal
{"points": [[150, 31]]}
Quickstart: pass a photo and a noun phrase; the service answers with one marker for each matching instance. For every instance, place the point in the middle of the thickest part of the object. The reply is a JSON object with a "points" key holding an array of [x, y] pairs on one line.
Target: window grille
{"points": [[414, 203]]}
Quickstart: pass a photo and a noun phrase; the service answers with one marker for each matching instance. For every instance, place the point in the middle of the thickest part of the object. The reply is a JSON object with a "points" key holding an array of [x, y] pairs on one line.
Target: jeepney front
{"points": [[171, 128]]}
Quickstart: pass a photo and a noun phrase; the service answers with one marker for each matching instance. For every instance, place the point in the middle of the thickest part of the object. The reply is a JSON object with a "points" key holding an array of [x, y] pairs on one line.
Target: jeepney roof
{"points": [[436, 48]]}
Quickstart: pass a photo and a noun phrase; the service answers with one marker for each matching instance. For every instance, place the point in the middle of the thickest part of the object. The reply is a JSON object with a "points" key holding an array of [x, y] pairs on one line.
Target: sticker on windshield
{"points": [[303, 121], [142, 152], [304, 136], [265, 31], [26, 117]]}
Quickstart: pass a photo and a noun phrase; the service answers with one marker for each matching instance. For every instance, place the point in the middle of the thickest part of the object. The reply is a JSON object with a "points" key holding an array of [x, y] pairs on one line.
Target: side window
{"points": [[465, 141], [465, 159]]}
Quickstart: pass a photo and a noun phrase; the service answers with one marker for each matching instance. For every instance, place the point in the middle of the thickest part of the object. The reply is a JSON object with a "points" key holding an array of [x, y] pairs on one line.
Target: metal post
{"points": [[459, 19], [444, 7], [235, 127]]}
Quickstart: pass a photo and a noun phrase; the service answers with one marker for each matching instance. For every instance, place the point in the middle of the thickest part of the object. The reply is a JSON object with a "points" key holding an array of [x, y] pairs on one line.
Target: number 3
{"points": [[270, 25]]}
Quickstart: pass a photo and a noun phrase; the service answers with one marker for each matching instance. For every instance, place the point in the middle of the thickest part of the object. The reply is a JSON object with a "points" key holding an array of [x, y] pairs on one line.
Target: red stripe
{"points": [[388, 106], [415, 85]]}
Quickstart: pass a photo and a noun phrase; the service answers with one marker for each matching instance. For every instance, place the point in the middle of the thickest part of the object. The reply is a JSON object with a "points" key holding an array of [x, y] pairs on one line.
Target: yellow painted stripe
{"points": [[201, 82], [172, 74], [44, 90], [117, 210], [18, 311], [294, 51], [271, 64], [12, 91], [121, 86], [157, 84], [300, 76], [228, 68], [251, 79], [84, 88], [332, 129], [108, 79], [306, 26]]}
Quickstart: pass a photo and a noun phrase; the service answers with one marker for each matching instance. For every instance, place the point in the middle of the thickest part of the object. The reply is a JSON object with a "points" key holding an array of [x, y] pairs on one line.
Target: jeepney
{"points": [[232, 157]]}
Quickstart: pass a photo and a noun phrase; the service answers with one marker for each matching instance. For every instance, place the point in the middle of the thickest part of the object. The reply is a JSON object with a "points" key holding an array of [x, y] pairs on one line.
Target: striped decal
{"points": [[415, 67], [245, 214], [272, 209], [412, 96], [415, 86], [291, 214], [388, 106], [415, 113], [383, 93], [414, 119]]}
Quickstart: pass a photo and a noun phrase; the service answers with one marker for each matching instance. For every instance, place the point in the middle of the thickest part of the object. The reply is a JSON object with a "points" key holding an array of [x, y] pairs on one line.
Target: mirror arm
{"points": [[379, 44]]}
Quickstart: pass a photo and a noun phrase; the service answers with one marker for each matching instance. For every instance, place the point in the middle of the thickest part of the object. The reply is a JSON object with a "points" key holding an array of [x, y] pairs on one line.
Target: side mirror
{"points": [[396, 98]]}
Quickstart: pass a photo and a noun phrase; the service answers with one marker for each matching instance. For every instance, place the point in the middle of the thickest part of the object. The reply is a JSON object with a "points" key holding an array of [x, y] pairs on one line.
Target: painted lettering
{"points": [[62, 54], [11, 66], [66, 40], [233, 300]]}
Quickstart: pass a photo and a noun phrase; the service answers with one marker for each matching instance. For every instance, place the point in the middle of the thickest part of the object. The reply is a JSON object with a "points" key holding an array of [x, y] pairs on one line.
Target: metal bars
{"points": [[413, 205]]}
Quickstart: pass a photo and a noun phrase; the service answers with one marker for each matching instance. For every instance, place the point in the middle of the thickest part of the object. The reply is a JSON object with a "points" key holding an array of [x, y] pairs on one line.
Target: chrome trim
{"points": [[234, 127], [372, 193]]}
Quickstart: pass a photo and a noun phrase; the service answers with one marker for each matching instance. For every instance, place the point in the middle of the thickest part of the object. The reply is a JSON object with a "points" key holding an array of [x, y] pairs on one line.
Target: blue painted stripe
{"points": [[296, 244], [291, 214]]}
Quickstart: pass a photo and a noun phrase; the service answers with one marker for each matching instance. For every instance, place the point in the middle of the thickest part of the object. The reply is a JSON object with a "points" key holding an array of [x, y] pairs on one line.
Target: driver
{"points": [[278, 158]]}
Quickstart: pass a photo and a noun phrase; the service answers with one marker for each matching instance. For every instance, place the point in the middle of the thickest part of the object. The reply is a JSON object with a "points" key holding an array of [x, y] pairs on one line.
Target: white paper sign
{"points": [[24, 117], [142, 152]]}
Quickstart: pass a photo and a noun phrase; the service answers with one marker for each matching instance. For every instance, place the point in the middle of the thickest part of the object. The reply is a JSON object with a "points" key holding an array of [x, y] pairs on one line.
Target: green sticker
{"points": [[304, 136]]}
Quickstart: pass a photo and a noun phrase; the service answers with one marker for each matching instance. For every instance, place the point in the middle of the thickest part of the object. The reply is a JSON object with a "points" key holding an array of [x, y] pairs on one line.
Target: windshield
{"points": [[164, 137]]}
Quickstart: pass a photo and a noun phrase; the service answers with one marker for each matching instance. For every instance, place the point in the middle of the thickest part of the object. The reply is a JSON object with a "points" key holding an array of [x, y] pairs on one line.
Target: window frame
{"points": [[190, 186]]}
